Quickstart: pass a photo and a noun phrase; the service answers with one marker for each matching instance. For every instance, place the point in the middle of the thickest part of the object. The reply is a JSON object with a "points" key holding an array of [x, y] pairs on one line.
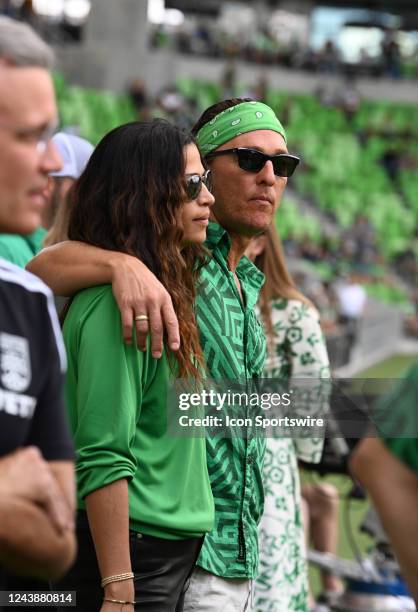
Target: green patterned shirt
{"points": [[233, 343]]}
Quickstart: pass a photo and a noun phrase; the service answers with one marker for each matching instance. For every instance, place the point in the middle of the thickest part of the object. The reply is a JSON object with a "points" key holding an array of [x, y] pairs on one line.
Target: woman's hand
{"points": [[138, 292]]}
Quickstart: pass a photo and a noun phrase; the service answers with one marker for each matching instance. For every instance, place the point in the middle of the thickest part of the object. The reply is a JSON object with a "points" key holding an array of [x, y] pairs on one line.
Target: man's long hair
{"points": [[128, 199]]}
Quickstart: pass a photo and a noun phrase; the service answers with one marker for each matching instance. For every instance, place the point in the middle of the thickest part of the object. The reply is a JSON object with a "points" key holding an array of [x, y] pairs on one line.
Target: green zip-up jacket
{"points": [[117, 399], [233, 343]]}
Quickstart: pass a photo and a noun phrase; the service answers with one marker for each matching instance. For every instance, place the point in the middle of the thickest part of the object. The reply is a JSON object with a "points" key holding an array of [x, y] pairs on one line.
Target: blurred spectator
{"points": [[352, 299], [348, 98], [24, 10], [391, 162], [264, 47], [36, 452], [388, 468], [325, 95], [320, 519], [391, 55], [411, 321], [6, 8], [159, 37], [170, 100], [261, 89], [138, 94], [203, 36], [367, 64], [170, 104], [75, 153], [229, 80], [345, 97], [407, 267], [183, 40], [359, 242], [328, 58]]}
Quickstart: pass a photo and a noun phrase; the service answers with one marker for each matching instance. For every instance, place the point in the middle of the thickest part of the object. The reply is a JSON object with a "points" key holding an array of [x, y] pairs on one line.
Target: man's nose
{"points": [[266, 174], [51, 160]]}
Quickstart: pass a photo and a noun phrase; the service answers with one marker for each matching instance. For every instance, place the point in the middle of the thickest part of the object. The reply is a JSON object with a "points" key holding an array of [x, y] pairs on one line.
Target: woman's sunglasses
{"points": [[252, 160], [194, 184]]}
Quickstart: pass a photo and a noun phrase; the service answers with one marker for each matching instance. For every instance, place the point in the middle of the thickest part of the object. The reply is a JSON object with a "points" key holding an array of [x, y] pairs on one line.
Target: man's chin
{"points": [[24, 226], [260, 224]]}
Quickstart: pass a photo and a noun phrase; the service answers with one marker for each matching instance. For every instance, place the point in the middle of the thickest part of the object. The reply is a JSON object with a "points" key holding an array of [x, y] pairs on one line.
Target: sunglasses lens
{"points": [[207, 179], [251, 161], [193, 186], [285, 165]]}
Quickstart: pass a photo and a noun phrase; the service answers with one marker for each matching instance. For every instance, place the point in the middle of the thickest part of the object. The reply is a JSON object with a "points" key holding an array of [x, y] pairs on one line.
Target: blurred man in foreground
{"points": [[36, 452], [74, 153]]}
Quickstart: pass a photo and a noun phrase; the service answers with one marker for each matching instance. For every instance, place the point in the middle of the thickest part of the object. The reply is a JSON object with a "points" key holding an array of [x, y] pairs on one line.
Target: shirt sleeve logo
{"points": [[15, 366]]}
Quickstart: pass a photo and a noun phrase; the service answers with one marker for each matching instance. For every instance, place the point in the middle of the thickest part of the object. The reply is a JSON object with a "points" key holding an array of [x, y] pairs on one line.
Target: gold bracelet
{"points": [[117, 578], [119, 601]]}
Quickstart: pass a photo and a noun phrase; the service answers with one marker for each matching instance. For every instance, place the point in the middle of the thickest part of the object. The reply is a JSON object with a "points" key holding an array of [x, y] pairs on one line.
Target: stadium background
{"points": [[342, 76]]}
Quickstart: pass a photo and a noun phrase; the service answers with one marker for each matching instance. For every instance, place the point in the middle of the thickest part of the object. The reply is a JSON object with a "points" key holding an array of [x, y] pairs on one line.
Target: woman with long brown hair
{"points": [[144, 498], [295, 350]]}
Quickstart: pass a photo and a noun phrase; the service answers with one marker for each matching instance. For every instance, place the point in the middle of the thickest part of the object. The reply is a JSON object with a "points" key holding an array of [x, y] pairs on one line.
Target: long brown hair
{"points": [[279, 282], [58, 231], [128, 199]]}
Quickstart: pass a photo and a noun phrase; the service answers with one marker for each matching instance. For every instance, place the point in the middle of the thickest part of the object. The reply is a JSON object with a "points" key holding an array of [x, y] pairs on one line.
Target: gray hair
{"points": [[21, 46]]}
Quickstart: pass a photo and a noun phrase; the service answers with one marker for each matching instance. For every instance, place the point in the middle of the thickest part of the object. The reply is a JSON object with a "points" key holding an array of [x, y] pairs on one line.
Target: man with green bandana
{"points": [[244, 144]]}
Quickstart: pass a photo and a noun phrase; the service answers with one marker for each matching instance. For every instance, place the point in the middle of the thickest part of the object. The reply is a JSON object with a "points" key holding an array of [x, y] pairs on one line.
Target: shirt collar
{"points": [[251, 280], [217, 238]]}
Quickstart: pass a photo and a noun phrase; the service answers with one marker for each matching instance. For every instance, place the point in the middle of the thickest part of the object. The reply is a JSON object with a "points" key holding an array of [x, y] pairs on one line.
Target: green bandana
{"points": [[239, 119]]}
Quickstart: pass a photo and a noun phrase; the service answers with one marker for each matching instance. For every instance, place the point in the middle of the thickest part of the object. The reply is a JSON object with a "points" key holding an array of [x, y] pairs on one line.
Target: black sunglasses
{"points": [[252, 160], [194, 184]]}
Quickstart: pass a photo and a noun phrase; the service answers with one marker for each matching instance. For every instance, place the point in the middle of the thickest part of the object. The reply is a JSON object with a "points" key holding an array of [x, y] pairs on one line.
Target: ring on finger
{"points": [[141, 318]]}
